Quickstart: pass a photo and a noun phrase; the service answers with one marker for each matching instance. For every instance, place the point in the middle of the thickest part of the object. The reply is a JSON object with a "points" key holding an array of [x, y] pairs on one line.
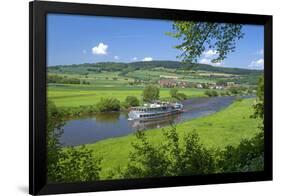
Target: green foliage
{"points": [[197, 37], [54, 131], [247, 156], [132, 101], [234, 91], [211, 93], [175, 94], [77, 164], [181, 96], [259, 104], [168, 159], [54, 78], [151, 93], [70, 164], [108, 104]]}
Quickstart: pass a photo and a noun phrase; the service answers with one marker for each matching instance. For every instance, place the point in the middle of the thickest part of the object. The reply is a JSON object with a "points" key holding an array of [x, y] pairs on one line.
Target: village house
{"points": [[168, 83]]}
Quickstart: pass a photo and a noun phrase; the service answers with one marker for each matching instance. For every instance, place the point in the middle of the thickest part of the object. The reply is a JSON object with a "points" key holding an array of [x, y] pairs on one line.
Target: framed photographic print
{"points": [[130, 97]]}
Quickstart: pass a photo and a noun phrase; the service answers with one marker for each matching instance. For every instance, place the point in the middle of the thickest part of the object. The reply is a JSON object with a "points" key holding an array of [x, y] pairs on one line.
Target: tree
{"points": [[169, 158], [69, 164], [211, 93], [132, 101], [78, 164], [173, 92], [108, 104], [197, 37], [247, 156], [150, 93], [54, 131]]}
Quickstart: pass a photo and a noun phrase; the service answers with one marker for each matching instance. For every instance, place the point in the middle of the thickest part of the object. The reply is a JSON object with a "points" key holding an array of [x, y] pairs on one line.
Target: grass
{"points": [[226, 127], [83, 95]]}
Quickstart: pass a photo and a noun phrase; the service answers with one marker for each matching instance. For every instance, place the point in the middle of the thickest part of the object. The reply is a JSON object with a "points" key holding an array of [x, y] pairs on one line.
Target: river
{"points": [[101, 126]]}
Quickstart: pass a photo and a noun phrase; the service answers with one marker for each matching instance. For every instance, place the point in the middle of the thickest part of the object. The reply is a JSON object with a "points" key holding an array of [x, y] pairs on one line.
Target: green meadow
{"points": [[70, 95], [226, 127]]}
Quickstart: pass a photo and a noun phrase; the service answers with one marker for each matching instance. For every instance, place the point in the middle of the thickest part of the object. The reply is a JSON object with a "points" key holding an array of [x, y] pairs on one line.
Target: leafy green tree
{"points": [[132, 101], [169, 158], [181, 96], [173, 92], [70, 164], [146, 161], [151, 93], [247, 156], [196, 37], [78, 164], [211, 93], [54, 131], [108, 104]]}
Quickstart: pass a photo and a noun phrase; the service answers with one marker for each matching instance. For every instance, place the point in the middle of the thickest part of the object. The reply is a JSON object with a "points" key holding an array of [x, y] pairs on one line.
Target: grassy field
{"points": [[226, 127], [82, 95]]}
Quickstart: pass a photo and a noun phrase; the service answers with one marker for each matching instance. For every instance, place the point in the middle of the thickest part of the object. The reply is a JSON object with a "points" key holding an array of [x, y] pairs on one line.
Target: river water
{"points": [[101, 126]]}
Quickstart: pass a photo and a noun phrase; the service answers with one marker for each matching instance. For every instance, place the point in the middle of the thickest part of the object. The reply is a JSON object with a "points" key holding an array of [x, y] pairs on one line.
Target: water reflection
{"points": [[108, 117]]}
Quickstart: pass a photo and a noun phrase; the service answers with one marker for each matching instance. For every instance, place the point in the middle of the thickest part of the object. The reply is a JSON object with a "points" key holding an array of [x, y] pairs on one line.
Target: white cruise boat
{"points": [[154, 110]]}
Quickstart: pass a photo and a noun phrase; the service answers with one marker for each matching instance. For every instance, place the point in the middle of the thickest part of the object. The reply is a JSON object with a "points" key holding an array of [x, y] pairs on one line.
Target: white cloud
{"points": [[257, 64], [100, 49], [210, 53], [84, 51], [209, 61], [208, 56], [116, 57], [147, 59], [134, 58]]}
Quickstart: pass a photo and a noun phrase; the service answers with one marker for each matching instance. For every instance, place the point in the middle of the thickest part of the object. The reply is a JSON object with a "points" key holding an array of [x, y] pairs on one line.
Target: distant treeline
{"points": [[53, 78], [128, 67]]}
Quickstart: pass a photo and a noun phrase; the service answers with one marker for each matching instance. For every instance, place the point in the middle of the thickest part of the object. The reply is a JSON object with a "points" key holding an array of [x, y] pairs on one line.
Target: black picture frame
{"points": [[37, 105]]}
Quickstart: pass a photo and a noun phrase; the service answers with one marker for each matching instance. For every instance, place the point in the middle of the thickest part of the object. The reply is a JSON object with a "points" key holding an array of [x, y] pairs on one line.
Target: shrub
{"points": [[150, 93], [211, 93], [70, 164], [181, 96], [132, 101], [170, 158], [108, 104], [214, 93], [174, 92]]}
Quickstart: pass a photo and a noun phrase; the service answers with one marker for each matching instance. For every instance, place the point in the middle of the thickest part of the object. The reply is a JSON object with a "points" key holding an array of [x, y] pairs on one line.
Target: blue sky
{"points": [[74, 39]]}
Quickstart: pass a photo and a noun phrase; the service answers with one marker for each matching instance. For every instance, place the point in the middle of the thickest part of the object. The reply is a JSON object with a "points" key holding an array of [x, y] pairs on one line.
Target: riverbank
{"points": [[226, 127], [76, 101]]}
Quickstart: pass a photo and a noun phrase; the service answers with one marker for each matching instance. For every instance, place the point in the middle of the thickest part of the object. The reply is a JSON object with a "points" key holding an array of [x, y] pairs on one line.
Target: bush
{"points": [[181, 96], [108, 104], [168, 159], [67, 164], [132, 101], [151, 93], [211, 93], [189, 157], [77, 164], [247, 156], [175, 94], [214, 93]]}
